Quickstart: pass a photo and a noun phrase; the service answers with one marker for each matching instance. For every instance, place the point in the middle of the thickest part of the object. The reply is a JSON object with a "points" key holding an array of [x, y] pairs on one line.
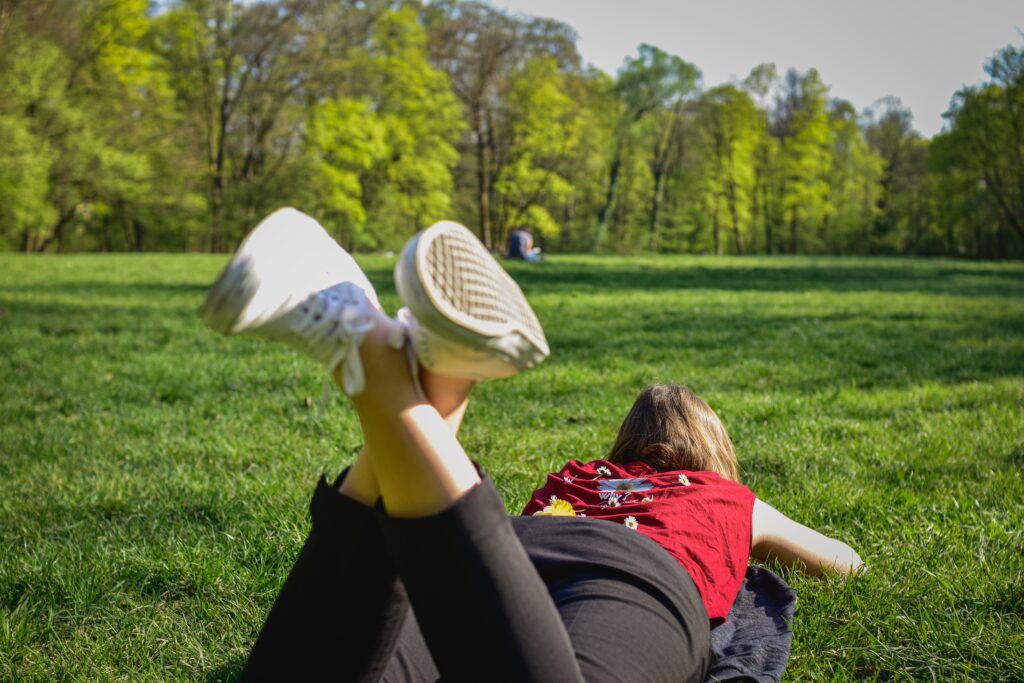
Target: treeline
{"points": [[127, 125]]}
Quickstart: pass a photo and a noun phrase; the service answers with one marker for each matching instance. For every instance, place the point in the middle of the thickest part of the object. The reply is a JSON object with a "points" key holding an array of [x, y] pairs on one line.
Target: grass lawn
{"points": [[154, 477]]}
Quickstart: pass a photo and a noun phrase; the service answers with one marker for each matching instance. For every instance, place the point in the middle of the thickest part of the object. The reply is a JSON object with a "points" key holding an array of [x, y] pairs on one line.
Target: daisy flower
{"points": [[684, 480], [631, 522]]}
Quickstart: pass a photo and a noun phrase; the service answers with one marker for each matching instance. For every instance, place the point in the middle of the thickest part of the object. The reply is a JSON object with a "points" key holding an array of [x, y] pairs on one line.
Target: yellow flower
{"points": [[558, 508]]}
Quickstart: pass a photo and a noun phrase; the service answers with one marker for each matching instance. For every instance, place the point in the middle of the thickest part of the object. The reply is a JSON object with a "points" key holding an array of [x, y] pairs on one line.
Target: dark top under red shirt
{"points": [[700, 518]]}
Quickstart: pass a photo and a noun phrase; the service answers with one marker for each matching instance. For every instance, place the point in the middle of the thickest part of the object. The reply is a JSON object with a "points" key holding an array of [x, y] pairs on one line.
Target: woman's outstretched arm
{"points": [[774, 535]]}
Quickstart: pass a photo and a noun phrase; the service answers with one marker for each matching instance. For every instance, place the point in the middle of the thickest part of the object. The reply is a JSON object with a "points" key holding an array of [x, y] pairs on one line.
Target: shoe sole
{"points": [[454, 287]]}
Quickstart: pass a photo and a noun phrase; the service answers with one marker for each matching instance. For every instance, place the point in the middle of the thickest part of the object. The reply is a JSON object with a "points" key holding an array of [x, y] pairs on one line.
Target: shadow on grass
{"points": [[88, 288], [834, 276], [1016, 457], [869, 346], [597, 274], [227, 672]]}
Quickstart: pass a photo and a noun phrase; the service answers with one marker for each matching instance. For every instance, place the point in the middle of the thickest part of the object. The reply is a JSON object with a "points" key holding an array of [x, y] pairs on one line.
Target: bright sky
{"points": [[921, 51]]}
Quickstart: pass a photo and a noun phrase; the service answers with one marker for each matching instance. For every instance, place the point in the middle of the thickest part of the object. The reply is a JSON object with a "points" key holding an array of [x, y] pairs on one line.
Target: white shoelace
{"points": [[342, 316], [339, 318]]}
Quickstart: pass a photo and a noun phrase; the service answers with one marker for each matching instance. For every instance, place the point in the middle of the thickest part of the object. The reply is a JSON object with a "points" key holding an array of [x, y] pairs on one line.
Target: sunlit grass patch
{"points": [[154, 477]]}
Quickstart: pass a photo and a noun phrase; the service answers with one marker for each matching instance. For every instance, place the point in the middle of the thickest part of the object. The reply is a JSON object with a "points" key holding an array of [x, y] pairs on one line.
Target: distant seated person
{"points": [[520, 246]]}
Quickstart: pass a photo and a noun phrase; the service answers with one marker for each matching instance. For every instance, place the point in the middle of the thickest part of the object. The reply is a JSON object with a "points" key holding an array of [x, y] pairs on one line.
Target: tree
{"points": [[242, 74], [801, 126], [734, 129], [654, 82], [890, 134], [480, 48], [382, 153], [760, 84], [854, 182], [546, 127], [988, 131], [92, 102], [25, 185]]}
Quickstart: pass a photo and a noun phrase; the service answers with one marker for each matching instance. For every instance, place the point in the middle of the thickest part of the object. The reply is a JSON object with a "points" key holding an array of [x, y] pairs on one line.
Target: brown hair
{"points": [[670, 428]]}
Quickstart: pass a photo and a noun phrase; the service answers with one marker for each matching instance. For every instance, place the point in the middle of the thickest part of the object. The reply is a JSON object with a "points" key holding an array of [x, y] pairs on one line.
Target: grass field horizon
{"points": [[154, 477]]}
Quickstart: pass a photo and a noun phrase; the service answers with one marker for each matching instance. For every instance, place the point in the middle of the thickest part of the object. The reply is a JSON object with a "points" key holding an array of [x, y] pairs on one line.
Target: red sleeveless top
{"points": [[700, 518]]}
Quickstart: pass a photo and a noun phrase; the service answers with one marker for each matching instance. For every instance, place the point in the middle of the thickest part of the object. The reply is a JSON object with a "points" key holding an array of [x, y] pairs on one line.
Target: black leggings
{"points": [[485, 609]]}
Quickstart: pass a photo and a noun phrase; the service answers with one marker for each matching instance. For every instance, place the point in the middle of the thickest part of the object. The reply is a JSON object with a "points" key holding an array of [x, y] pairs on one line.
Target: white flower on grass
{"points": [[631, 522], [684, 480], [603, 471], [624, 485]]}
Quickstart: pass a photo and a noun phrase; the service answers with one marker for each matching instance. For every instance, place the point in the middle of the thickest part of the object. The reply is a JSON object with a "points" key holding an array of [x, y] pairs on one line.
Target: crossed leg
{"points": [[412, 456], [483, 610]]}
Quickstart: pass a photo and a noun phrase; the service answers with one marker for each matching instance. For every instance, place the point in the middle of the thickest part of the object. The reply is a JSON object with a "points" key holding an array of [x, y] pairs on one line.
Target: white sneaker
{"points": [[466, 316], [290, 281]]}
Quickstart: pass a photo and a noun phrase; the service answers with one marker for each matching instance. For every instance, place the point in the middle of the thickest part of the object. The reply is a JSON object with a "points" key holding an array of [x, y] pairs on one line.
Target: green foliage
{"points": [[652, 88], [854, 183], [546, 129], [982, 158], [84, 113], [734, 129], [25, 209], [804, 160], [131, 125], [345, 139], [381, 164]]}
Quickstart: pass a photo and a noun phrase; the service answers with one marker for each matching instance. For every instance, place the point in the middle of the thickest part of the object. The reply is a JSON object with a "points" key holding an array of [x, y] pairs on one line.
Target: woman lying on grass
{"points": [[616, 570]]}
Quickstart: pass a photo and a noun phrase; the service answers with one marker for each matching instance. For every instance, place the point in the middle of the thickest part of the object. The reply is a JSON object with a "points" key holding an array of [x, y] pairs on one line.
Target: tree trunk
{"points": [[216, 219], [217, 196], [483, 170], [734, 214], [793, 234], [659, 184], [105, 242], [126, 228], [609, 199], [139, 232], [1004, 205], [223, 112], [715, 229], [493, 163], [755, 209], [40, 245]]}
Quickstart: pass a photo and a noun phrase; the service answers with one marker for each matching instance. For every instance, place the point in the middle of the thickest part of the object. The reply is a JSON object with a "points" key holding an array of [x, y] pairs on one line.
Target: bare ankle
{"points": [[388, 375], [446, 393]]}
